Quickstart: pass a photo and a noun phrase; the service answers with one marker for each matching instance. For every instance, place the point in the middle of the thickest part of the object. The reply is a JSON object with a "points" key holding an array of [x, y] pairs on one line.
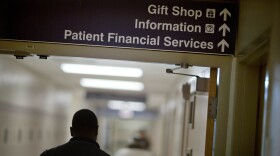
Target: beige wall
{"points": [[254, 43], [255, 17], [272, 139]]}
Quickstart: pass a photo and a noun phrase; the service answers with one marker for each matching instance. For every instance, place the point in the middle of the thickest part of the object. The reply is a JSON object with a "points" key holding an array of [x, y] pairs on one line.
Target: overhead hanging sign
{"points": [[177, 26]]}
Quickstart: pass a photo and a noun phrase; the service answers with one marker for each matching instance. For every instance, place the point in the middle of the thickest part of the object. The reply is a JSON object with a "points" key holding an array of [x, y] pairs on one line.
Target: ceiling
{"points": [[157, 83]]}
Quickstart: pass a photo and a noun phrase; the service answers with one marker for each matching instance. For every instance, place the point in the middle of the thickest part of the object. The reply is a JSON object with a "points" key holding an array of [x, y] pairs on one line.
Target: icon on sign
{"points": [[225, 13], [209, 28], [223, 44], [210, 13]]}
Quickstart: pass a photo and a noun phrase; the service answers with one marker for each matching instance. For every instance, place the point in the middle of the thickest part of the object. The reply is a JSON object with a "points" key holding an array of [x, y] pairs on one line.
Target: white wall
{"points": [[196, 136], [120, 132], [34, 112], [172, 114]]}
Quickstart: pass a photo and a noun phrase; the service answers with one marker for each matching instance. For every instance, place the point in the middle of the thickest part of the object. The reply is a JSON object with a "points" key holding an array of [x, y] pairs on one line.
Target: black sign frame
{"points": [[176, 26]]}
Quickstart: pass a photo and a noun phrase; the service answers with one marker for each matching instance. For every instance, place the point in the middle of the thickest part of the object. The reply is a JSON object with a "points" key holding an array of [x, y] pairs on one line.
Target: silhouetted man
{"points": [[84, 132]]}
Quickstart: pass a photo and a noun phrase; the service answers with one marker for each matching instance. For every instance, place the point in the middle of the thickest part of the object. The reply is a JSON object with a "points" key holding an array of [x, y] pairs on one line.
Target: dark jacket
{"points": [[76, 147]]}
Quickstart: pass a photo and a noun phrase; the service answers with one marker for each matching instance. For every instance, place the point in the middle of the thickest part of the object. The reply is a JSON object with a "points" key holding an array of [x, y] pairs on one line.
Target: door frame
{"points": [[223, 62], [244, 98]]}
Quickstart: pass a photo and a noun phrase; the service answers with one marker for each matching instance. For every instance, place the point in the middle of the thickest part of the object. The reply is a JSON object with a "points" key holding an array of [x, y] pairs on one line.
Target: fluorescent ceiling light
{"points": [[112, 84], [126, 105], [101, 70]]}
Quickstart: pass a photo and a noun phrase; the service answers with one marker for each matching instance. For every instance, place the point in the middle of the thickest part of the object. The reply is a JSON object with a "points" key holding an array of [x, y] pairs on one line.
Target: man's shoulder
{"points": [[104, 153], [45, 153], [70, 148], [49, 152]]}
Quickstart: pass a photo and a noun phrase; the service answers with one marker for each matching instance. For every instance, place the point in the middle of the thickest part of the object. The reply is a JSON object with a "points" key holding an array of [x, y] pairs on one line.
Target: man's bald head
{"points": [[84, 123]]}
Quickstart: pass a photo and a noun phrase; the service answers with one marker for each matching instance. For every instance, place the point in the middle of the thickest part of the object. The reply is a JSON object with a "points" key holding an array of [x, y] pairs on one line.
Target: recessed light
{"points": [[101, 70], [112, 84]]}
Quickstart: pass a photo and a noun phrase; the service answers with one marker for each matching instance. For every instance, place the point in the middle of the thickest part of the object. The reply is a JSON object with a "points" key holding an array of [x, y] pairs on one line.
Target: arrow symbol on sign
{"points": [[225, 13], [222, 44], [225, 28]]}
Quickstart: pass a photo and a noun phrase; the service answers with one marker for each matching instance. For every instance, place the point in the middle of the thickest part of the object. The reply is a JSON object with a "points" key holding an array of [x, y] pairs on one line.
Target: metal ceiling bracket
{"points": [[182, 66], [43, 57], [212, 110]]}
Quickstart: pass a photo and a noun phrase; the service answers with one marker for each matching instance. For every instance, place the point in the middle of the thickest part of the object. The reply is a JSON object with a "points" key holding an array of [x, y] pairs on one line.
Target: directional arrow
{"points": [[222, 44], [225, 13], [225, 28]]}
